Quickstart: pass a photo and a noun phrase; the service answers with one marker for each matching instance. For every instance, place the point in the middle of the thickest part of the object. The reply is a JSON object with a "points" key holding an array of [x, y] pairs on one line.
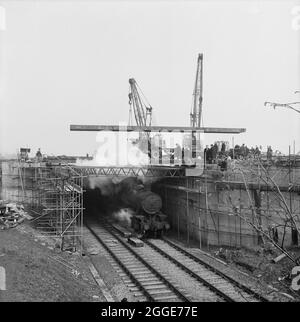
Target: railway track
{"points": [[153, 286], [230, 289], [156, 269]]}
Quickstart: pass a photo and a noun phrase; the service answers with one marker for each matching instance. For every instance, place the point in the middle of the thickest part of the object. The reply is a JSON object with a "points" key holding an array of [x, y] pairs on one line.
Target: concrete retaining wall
{"points": [[202, 212]]}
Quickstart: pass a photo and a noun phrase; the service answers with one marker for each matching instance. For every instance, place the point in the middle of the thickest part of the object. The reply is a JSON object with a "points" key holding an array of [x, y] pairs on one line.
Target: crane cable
{"points": [[143, 95], [148, 107]]}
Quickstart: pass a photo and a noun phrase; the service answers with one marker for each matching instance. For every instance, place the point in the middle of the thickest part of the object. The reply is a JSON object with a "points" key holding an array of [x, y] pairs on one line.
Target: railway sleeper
{"points": [[131, 262], [165, 298], [153, 282], [160, 292], [136, 267], [145, 272], [154, 286], [150, 280], [124, 258], [139, 272], [130, 259], [122, 252], [142, 278]]}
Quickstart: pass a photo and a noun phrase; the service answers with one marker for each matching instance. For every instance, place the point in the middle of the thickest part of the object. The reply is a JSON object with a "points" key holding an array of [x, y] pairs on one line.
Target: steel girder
{"points": [[132, 171]]}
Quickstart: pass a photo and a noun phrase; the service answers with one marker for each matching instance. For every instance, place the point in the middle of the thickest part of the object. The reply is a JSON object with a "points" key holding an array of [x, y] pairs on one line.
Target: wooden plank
{"points": [[105, 291], [2, 279], [123, 231], [120, 128], [135, 242], [278, 258]]}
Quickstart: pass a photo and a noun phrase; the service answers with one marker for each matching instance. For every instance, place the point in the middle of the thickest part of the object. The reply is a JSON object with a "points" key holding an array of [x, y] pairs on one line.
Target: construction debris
{"points": [[11, 215], [278, 258]]}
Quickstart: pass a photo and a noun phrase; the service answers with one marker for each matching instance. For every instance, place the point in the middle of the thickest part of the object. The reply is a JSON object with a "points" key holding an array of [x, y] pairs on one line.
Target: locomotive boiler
{"points": [[147, 219]]}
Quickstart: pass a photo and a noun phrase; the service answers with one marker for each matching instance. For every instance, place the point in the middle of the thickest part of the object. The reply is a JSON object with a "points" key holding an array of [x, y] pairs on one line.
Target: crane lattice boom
{"points": [[196, 113], [142, 112]]}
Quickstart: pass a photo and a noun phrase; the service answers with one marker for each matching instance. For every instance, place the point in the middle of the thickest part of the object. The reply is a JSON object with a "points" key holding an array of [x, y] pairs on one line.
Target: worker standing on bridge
{"points": [[257, 152], [178, 154], [269, 153], [214, 149], [39, 155], [223, 147], [206, 155], [210, 154]]}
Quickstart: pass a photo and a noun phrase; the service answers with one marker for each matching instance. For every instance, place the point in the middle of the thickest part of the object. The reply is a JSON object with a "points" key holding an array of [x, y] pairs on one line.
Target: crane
{"points": [[142, 112], [196, 113]]}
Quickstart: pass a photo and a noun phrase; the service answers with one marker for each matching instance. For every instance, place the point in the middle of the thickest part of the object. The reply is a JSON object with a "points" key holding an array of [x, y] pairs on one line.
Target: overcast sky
{"points": [[65, 62]]}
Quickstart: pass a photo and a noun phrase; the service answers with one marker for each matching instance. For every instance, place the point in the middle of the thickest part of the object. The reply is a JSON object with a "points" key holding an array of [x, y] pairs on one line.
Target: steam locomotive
{"points": [[147, 220]]}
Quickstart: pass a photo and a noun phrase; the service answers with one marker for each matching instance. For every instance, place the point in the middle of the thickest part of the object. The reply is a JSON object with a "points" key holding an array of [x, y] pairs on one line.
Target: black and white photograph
{"points": [[149, 152]]}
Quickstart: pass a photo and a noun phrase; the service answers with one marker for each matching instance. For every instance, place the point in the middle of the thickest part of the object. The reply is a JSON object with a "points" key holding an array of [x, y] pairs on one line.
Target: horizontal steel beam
{"points": [[150, 171], [182, 129]]}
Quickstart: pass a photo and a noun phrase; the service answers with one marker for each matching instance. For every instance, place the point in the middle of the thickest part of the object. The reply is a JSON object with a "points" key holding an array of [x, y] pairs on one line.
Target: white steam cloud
{"points": [[116, 149], [123, 216]]}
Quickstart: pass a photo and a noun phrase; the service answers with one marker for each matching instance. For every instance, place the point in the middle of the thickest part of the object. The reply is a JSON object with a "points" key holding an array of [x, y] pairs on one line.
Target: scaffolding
{"points": [[54, 194]]}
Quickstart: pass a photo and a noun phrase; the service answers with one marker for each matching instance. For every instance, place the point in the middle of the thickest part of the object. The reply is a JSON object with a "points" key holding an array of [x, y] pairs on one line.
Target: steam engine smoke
{"points": [[110, 196], [123, 216]]}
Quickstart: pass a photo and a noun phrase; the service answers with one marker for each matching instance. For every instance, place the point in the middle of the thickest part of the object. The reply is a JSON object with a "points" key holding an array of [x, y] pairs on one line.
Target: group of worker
{"points": [[212, 153], [243, 152], [216, 154]]}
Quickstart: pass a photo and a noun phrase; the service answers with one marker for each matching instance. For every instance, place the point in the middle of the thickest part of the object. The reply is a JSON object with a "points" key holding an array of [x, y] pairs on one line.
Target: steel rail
{"points": [[153, 270], [115, 257], [217, 271], [139, 258], [190, 272]]}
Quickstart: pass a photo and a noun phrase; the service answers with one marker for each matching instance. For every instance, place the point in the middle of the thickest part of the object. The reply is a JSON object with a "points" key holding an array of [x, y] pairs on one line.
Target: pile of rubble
{"points": [[11, 215]]}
